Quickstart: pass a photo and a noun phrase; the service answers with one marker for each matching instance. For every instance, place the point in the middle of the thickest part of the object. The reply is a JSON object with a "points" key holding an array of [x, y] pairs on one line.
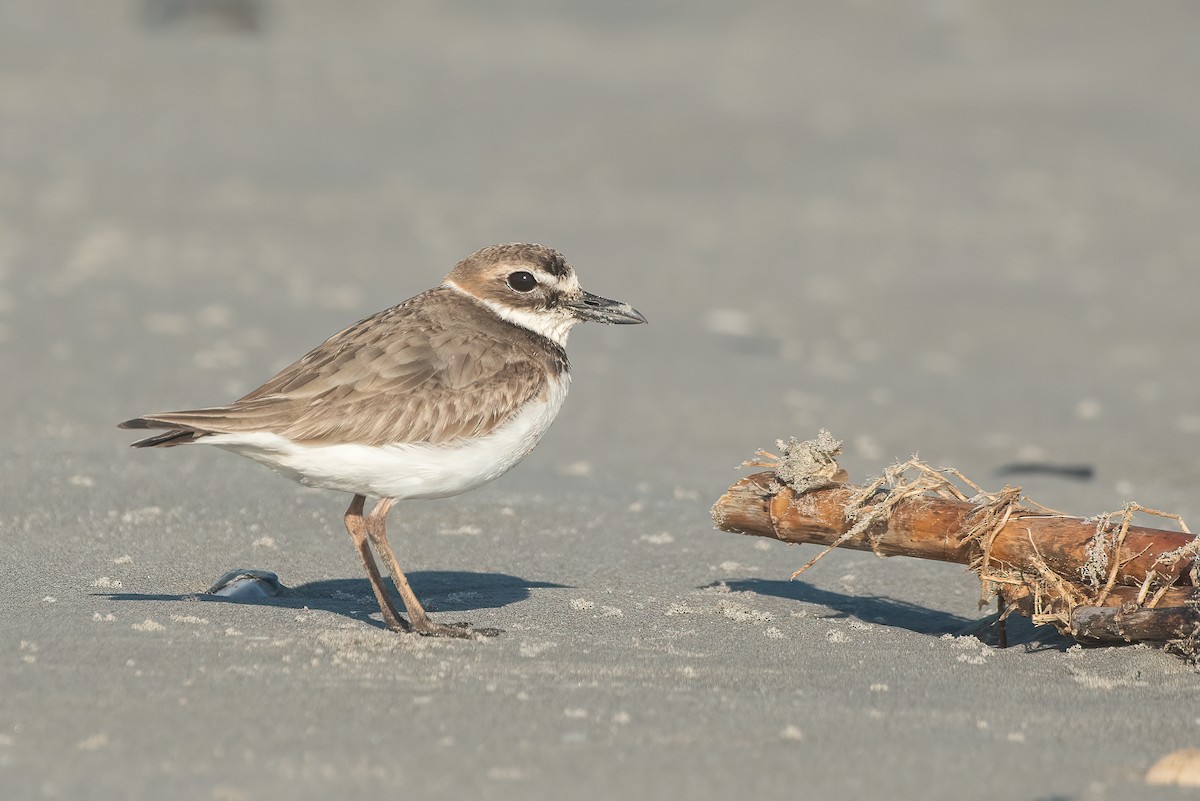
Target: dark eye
{"points": [[522, 281]]}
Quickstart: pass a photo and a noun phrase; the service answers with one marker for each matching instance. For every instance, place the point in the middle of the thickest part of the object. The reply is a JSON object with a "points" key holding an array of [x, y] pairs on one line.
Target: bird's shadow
{"points": [[439, 590], [885, 611]]}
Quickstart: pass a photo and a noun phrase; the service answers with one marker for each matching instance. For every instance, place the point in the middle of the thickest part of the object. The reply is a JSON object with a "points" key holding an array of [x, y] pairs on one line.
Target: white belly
{"points": [[403, 470]]}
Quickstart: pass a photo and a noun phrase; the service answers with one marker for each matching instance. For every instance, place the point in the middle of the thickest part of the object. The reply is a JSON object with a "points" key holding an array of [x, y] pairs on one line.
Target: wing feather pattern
{"points": [[418, 372]]}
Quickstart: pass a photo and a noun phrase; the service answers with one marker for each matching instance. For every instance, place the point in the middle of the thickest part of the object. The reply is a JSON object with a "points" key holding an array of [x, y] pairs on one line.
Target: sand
{"points": [[964, 230]]}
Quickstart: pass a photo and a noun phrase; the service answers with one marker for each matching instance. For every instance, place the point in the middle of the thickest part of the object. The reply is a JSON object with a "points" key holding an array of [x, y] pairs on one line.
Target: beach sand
{"points": [[964, 230]]}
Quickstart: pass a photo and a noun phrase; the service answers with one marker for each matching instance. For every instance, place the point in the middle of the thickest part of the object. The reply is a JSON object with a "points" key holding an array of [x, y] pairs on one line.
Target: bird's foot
{"points": [[460, 630]]}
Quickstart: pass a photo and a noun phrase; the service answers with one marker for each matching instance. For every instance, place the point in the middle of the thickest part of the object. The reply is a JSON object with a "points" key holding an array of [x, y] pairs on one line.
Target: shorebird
{"points": [[428, 399]]}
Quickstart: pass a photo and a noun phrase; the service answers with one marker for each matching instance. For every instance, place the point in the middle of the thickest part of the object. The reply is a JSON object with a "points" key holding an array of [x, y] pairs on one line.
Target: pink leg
{"points": [[417, 617], [356, 526]]}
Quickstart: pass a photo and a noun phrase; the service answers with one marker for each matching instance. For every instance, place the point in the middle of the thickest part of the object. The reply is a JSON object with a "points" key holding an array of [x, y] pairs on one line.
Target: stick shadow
{"points": [[885, 611], [439, 590]]}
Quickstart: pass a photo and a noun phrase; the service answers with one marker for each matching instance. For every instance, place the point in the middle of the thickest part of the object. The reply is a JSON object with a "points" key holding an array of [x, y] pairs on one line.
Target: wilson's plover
{"points": [[427, 399]]}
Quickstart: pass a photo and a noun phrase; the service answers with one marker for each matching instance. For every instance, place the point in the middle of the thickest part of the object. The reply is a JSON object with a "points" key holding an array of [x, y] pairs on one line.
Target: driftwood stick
{"points": [[1173, 597], [929, 527], [1097, 580], [1114, 624]]}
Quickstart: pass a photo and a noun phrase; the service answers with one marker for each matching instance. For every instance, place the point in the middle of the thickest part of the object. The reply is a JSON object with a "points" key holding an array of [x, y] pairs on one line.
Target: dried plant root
{"points": [[1042, 563]]}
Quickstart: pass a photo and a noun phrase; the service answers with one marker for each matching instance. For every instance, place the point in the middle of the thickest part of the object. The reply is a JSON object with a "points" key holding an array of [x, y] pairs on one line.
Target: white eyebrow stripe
{"points": [[544, 277], [570, 284]]}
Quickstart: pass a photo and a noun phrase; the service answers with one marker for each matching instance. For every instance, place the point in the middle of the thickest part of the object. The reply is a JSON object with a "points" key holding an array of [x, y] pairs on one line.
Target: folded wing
{"points": [[403, 375]]}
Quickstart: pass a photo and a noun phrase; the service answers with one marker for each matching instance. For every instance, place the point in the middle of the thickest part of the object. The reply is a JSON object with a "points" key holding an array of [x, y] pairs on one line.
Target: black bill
{"points": [[594, 308]]}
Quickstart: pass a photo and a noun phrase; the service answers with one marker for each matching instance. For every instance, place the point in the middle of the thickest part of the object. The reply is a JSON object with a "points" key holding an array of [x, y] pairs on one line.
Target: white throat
{"points": [[554, 327]]}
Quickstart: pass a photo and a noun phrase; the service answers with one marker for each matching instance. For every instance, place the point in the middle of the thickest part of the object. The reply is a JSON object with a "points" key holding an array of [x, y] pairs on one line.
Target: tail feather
{"points": [[174, 435], [168, 440], [184, 427]]}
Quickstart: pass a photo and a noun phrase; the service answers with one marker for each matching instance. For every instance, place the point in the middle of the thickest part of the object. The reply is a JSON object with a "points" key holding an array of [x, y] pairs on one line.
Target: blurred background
{"points": [[944, 226], [959, 228]]}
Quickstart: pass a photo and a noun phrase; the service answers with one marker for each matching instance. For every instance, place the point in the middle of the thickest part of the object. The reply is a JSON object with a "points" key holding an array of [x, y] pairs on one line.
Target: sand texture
{"points": [[966, 230]]}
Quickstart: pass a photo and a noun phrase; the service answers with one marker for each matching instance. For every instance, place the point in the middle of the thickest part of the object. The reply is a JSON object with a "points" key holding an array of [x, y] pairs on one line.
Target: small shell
{"points": [[244, 585], [1181, 768]]}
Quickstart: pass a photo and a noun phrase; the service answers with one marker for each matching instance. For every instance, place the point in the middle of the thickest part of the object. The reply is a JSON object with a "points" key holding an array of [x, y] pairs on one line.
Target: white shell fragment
{"points": [[1181, 768]]}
